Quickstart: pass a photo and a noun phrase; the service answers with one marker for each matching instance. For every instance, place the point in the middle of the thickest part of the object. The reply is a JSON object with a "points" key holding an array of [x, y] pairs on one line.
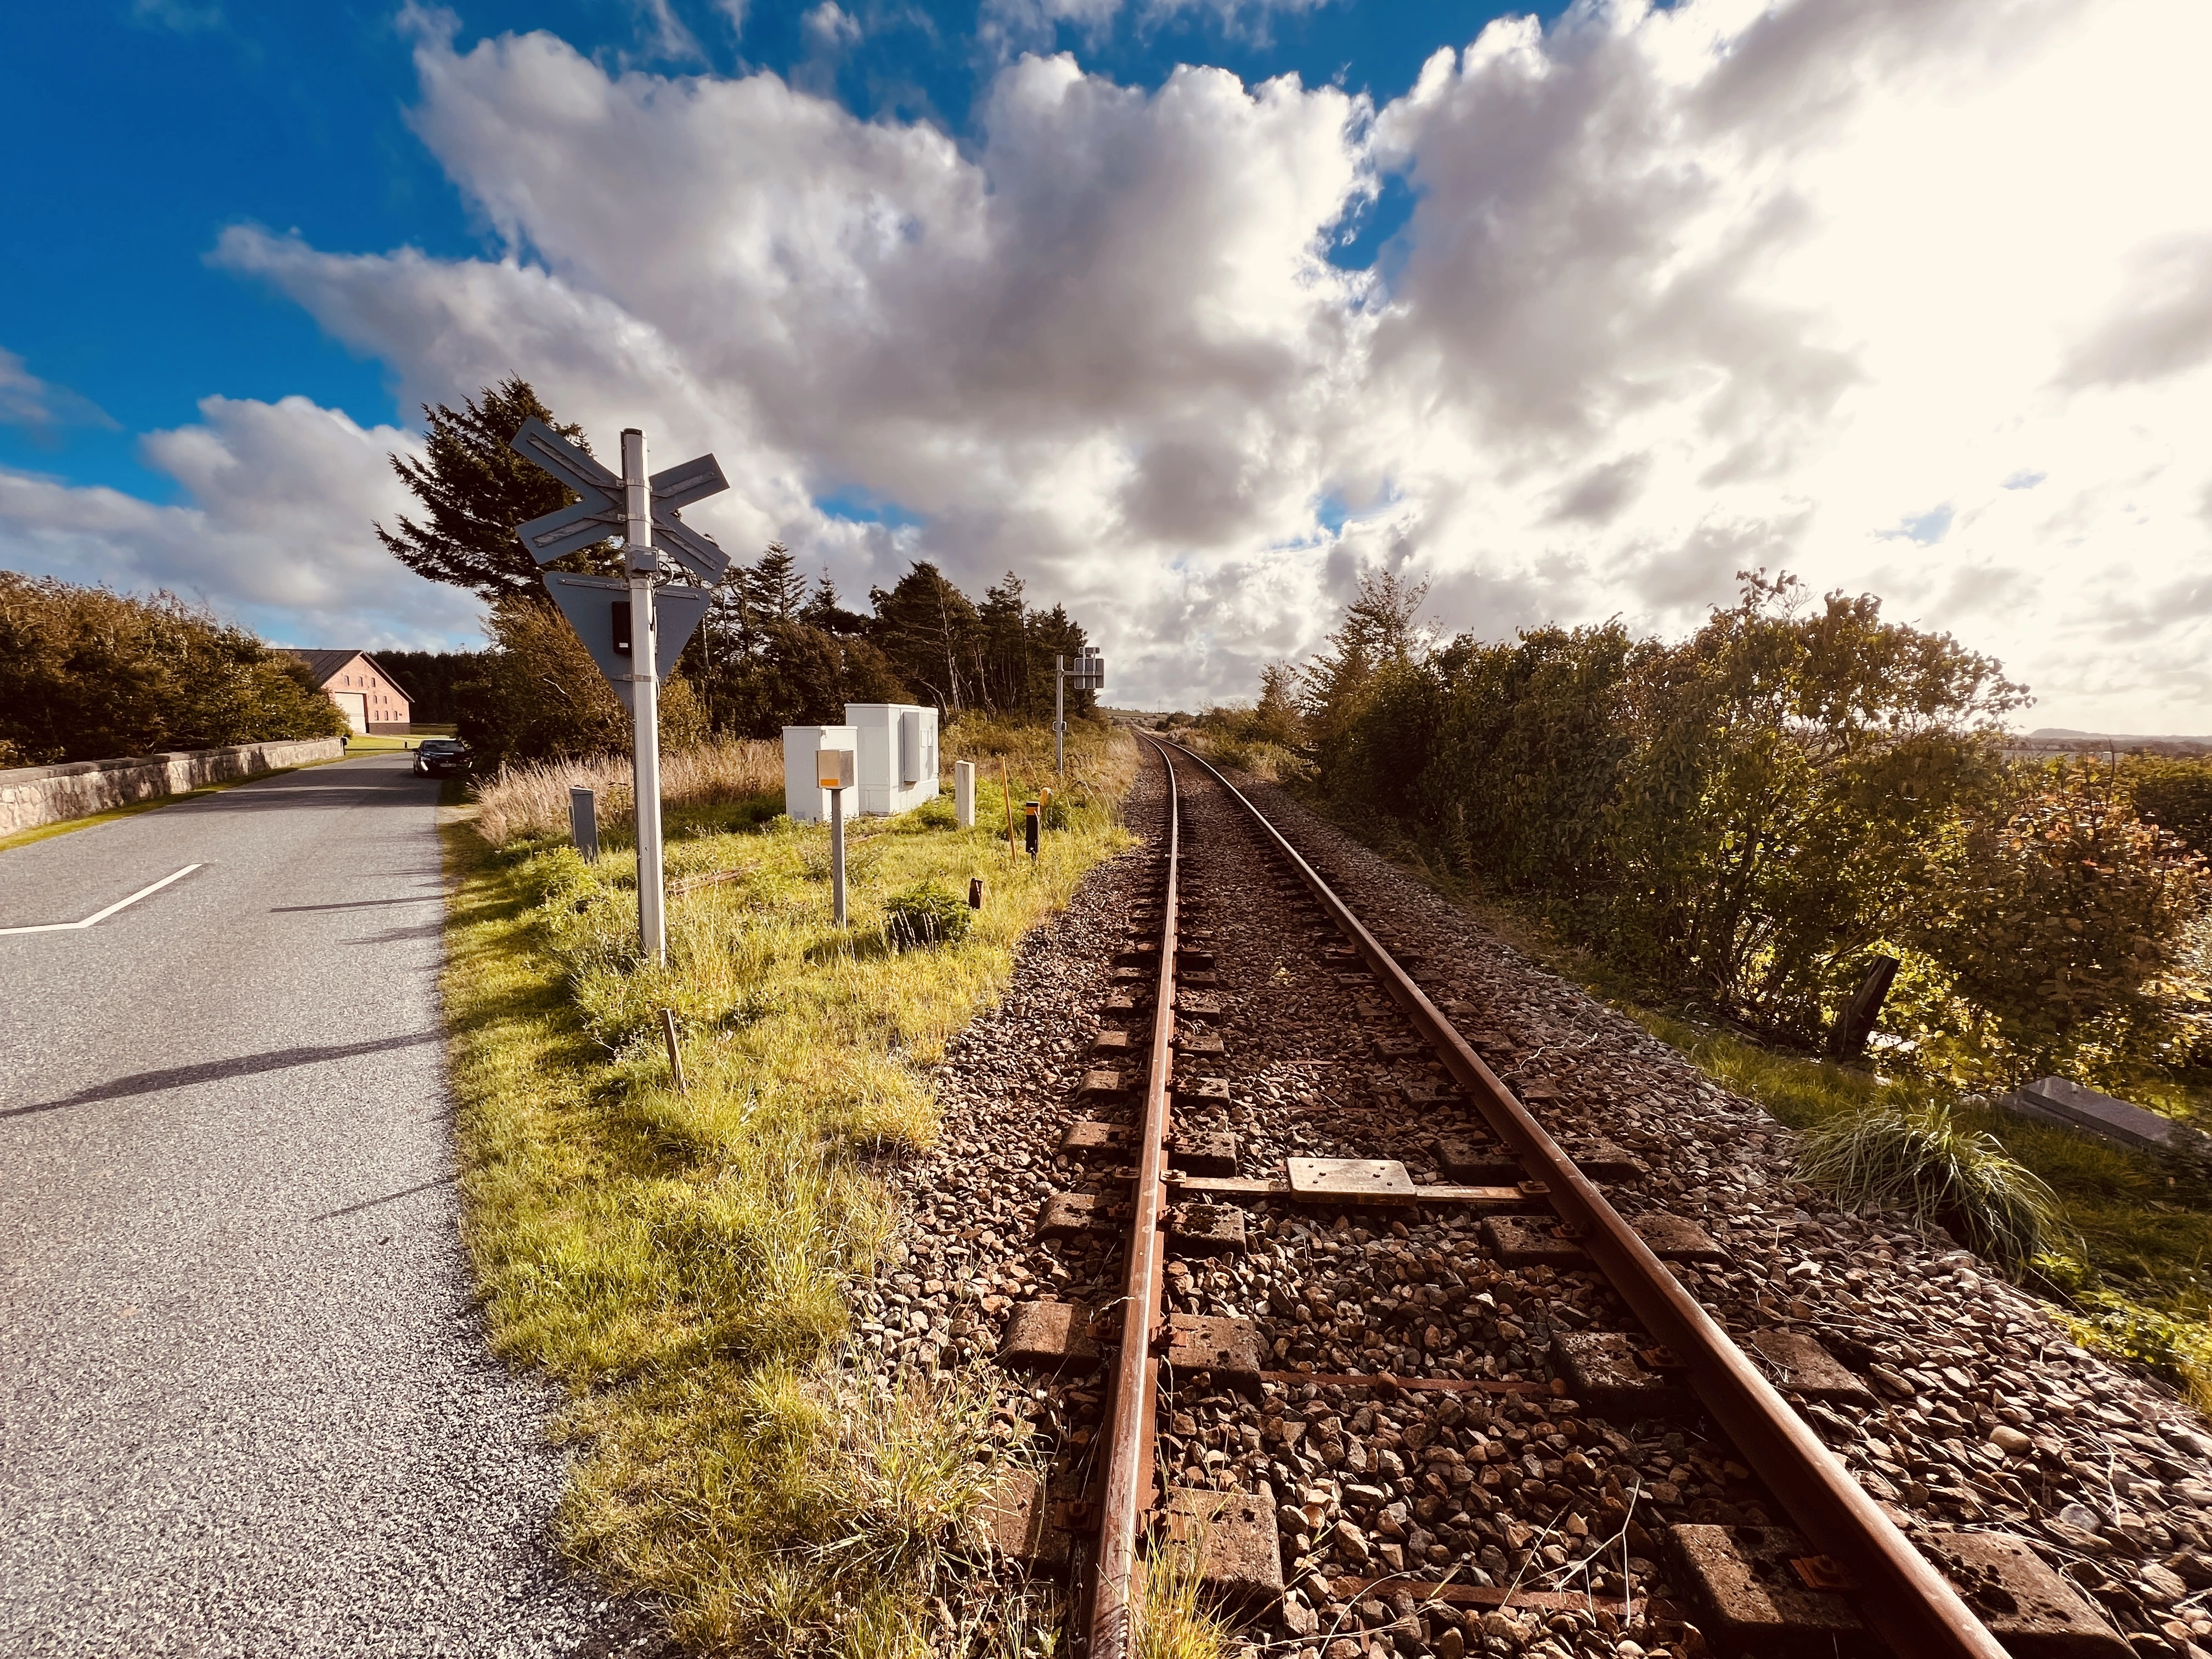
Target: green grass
{"points": [[46, 831], [680, 1264]]}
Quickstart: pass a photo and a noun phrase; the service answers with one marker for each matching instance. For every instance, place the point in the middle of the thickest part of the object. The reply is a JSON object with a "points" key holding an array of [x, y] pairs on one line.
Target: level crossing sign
{"points": [[635, 628], [598, 513]]}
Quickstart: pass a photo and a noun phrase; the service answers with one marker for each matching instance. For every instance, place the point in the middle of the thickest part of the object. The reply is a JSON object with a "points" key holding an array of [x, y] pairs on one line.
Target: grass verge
{"points": [[47, 831], [678, 1263]]}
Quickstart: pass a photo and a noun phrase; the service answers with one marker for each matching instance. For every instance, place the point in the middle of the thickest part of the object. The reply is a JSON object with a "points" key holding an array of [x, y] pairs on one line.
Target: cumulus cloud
{"points": [[1816, 267], [275, 530], [1818, 284]]}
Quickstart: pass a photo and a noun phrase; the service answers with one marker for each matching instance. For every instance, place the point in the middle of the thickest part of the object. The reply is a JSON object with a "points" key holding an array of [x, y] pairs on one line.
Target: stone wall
{"points": [[32, 795]]}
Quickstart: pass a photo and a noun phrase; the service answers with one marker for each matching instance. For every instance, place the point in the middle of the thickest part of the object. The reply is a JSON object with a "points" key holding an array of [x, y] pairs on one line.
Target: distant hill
{"points": [[2060, 736]]}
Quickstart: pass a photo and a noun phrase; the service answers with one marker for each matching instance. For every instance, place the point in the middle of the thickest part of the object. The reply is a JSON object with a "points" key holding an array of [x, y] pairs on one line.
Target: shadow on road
{"points": [[211, 1071], [352, 905], [389, 1198]]}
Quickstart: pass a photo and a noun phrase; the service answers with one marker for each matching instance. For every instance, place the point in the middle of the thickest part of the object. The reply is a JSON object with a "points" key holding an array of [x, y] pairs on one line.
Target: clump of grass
{"points": [[680, 1263], [1172, 1621], [1916, 1159], [925, 915], [520, 801]]}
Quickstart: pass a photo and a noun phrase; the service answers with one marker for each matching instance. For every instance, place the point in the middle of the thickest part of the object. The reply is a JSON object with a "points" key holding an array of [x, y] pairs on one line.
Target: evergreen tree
{"points": [[824, 610], [929, 630], [772, 585], [1005, 645], [476, 490], [429, 679]]}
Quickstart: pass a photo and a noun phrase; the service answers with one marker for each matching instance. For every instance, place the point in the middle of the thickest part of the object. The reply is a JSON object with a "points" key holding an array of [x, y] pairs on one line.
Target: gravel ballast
{"points": [[1980, 1412]]}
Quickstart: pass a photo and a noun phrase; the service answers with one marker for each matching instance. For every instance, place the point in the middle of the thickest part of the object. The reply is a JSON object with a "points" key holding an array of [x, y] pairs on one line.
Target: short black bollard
{"points": [[975, 892], [1029, 824], [584, 820]]}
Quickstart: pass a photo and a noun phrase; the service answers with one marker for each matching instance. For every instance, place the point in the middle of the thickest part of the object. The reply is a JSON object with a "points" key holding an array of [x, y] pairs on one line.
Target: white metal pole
{"points": [[837, 853], [645, 695], [1060, 716]]}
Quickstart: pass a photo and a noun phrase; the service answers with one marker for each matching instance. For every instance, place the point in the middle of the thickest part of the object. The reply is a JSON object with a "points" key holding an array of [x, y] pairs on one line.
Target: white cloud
{"points": [[275, 531], [1853, 300], [1009, 27], [1822, 283], [38, 407], [830, 26]]}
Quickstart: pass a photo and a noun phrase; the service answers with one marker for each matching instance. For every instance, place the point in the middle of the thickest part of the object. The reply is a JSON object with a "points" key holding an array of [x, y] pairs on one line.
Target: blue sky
{"points": [[1567, 315], [215, 112]]}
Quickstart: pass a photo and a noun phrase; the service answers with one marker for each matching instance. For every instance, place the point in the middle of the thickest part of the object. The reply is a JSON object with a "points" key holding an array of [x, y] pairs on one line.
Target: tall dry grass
{"points": [[532, 800]]}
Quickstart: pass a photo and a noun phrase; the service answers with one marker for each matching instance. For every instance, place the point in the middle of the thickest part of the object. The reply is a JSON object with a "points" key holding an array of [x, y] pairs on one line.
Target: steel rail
{"points": [[1904, 1599], [1128, 1490]]}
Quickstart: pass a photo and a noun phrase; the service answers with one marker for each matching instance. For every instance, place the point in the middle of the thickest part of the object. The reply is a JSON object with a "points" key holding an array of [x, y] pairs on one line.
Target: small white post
{"points": [[645, 695], [837, 854], [836, 770], [963, 794]]}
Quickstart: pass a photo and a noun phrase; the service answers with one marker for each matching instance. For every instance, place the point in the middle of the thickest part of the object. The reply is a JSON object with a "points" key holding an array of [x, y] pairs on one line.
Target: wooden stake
{"points": [[675, 1054]]}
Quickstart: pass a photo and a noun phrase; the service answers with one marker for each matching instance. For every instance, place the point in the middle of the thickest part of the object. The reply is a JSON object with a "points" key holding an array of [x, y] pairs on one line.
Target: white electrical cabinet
{"points": [[897, 745], [805, 799]]}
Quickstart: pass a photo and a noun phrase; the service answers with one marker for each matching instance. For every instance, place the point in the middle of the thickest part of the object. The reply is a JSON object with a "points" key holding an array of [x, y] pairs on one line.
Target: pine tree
{"points": [[476, 490], [772, 585]]}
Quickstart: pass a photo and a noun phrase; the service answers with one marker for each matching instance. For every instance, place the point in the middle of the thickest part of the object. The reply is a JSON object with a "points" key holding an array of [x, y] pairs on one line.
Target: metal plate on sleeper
{"points": [[1349, 1177]]}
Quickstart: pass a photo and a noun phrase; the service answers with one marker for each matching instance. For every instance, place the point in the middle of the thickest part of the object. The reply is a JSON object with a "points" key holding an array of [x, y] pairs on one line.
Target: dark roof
{"points": [[324, 665]]}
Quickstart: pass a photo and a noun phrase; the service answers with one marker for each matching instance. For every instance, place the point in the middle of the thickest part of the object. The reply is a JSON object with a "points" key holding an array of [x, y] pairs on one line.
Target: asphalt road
{"points": [[247, 1405]]}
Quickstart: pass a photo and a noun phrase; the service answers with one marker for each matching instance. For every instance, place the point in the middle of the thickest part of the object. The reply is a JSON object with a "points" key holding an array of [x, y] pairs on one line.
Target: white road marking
{"points": [[71, 926]]}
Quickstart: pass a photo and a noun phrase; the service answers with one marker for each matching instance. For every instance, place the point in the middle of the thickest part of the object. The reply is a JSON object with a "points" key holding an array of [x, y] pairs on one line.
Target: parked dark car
{"points": [[438, 756]]}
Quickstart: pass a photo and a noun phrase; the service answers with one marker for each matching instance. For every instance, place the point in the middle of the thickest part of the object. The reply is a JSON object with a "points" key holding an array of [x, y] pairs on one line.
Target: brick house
{"points": [[354, 680]]}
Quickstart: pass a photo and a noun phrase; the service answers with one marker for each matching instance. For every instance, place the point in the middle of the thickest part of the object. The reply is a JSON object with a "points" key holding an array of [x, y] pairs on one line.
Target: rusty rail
{"points": [[1903, 1597], [1129, 1491]]}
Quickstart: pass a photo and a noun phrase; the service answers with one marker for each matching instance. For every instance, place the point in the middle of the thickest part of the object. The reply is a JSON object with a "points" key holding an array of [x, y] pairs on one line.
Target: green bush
{"points": [[936, 814], [1916, 1159], [1745, 819], [87, 673], [925, 914]]}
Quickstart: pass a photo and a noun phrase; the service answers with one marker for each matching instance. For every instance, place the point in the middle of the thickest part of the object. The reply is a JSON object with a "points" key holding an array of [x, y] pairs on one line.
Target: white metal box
{"points": [[805, 800], [898, 755]]}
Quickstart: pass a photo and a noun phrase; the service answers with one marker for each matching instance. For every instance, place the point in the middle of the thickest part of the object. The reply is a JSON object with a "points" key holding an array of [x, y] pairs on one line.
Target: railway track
{"points": [[1467, 1474]]}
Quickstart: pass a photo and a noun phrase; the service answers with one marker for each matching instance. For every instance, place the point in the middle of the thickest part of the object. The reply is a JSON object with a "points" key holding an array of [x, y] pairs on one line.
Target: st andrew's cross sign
{"points": [[600, 609], [599, 512]]}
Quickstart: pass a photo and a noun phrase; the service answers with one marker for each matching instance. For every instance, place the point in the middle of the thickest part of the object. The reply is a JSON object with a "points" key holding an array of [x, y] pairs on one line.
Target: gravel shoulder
{"points": [[249, 1407]]}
